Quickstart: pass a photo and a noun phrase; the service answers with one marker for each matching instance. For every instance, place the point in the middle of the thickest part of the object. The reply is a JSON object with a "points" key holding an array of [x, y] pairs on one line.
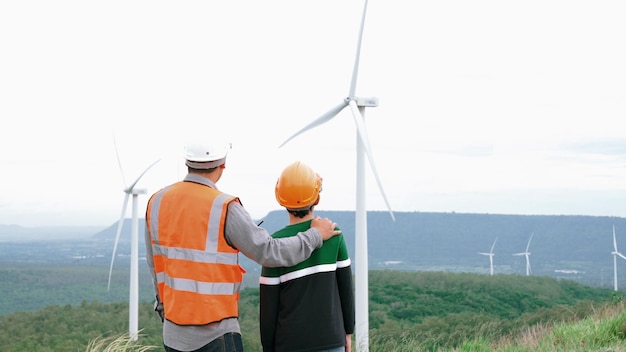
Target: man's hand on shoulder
{"points": [[325, 227]]}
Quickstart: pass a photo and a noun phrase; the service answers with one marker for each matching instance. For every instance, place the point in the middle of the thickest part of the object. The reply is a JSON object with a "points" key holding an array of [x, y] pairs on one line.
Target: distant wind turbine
{"points": [[490, 255], [527, 255], [357, 106], [615, 253], [133, 297]]}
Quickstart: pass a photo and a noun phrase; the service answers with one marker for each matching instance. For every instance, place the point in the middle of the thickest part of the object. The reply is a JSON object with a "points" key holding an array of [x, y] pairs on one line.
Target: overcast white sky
{"points": [[485, 106]]}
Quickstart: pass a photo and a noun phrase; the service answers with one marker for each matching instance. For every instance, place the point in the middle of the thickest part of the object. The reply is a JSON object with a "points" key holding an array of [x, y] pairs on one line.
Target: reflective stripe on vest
{"points": [[197, 272]]}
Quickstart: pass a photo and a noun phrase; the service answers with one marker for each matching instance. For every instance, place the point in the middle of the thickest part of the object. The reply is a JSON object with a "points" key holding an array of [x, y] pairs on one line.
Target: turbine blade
{"points": [[143, 173], [493, 245], [362, 132], [530, 239], [119, 162], [620, 255], [117, 235], [614, 240], [320, 120], [355, 69]]}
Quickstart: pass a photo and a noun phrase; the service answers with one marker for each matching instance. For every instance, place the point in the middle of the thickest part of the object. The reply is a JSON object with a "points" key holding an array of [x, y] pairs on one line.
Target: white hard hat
{"points": [[200, 155]]}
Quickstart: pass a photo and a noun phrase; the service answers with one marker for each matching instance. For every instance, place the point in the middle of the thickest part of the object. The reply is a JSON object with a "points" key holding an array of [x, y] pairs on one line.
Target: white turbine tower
{"points": [[615, 253], [490, 255], [133, 297], [357, 106], [527, 255]]}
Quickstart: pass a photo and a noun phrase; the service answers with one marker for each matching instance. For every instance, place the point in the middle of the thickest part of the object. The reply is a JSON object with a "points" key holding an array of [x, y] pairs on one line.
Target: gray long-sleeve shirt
{"points": [[255, 243]]}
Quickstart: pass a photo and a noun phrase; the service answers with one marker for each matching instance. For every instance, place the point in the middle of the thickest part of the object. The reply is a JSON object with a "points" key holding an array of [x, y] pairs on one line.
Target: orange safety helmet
{"points": [[298, 187]]}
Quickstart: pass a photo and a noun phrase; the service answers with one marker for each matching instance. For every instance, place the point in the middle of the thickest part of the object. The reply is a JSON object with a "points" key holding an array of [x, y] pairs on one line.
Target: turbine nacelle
{"points": [[135, 191], [619, 255], [370, 102]]}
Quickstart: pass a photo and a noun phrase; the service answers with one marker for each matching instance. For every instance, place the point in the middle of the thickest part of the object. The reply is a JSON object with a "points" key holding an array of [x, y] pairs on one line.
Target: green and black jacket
{"points": [[309, 306]]}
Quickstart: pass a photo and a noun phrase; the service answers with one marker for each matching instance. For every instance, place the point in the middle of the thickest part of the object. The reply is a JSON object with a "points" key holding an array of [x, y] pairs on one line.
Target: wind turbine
{"points": [[615, 253], [527, 255], [357, 106], [490, 254], [133, 297]]}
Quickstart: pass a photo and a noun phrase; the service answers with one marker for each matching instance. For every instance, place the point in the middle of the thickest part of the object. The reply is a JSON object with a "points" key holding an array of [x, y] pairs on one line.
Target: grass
{"points": [[117, 343], [603, 331]]}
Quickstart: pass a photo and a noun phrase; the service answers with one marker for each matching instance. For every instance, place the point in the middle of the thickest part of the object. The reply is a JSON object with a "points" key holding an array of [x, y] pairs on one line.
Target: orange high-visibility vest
{"points": [[198, 273]]}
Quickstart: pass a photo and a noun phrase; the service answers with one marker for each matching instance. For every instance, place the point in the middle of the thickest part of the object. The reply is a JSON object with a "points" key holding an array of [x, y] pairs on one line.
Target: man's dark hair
{"points": [[300, 213]]}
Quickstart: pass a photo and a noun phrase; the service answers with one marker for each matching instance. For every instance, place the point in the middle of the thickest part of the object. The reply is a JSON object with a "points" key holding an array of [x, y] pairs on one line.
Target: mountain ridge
{"points": [[565, 246]]}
